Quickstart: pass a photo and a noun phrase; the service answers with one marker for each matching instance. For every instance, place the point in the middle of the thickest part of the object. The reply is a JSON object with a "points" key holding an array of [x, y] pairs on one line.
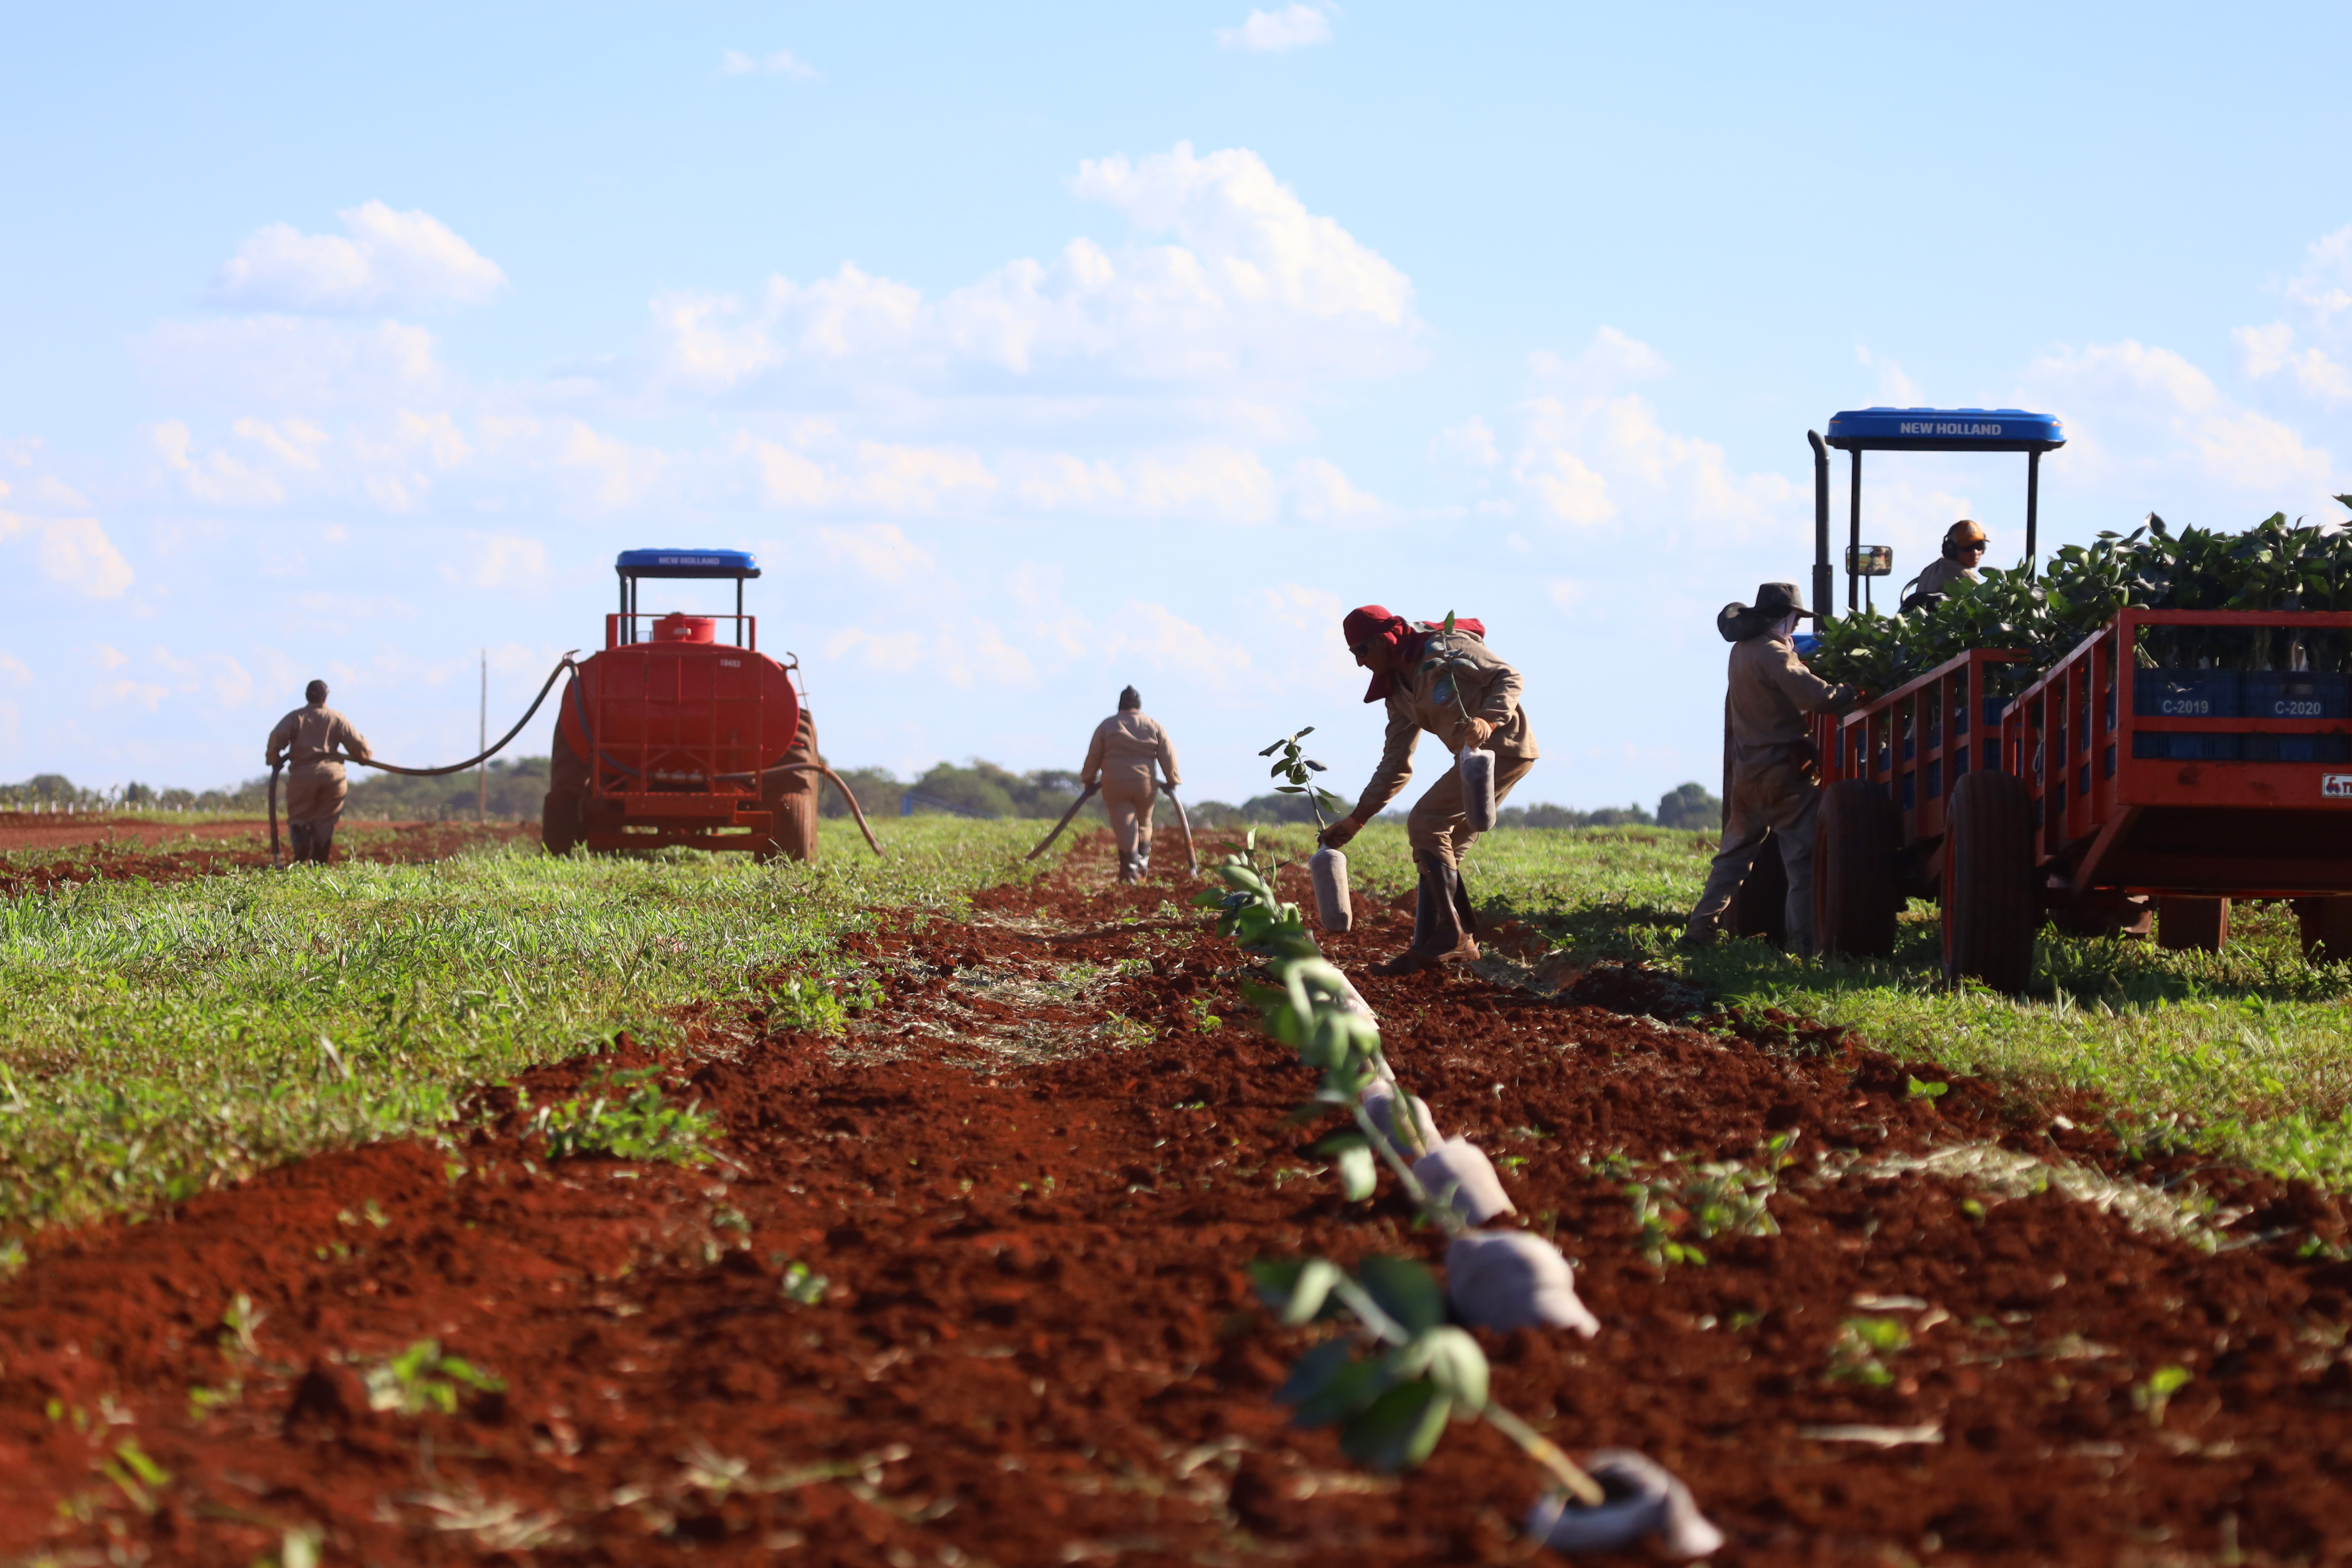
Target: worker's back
{"points": [[1127, 745]]}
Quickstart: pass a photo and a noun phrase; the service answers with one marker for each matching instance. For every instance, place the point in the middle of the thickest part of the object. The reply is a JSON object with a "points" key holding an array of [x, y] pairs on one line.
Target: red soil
{"points": [[116, 849], [1038, 1346]]}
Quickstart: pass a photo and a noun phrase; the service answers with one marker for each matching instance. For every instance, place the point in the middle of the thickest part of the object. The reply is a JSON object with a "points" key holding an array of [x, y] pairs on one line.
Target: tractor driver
{"points": [[1472, 699], [1121, 755], [1964, 552], [315, 740], [1775, 771]]}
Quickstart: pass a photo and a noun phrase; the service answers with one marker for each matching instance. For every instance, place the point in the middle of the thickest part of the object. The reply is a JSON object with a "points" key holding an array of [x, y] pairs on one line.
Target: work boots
{"points": [[1443, 920]]}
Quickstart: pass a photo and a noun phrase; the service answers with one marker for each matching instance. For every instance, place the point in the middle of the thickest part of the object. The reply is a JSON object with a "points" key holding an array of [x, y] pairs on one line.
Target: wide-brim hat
{"points": [[1774, 601], [1781, 599]]}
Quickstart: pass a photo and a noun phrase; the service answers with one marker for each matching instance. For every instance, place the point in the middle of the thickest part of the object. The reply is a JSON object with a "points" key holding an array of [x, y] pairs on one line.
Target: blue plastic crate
{"points": [[2185, 694], [2298, 749], [2171, 746], [2294, 694]]}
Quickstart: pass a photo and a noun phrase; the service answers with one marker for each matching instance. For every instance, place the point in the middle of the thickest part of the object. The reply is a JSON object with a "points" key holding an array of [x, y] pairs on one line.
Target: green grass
{"points": [[156, 1040], [2246, 1053]]}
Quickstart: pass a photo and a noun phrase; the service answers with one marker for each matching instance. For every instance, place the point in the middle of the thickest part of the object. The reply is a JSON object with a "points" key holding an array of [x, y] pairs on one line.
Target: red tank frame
{"points": [[2108, 822]]}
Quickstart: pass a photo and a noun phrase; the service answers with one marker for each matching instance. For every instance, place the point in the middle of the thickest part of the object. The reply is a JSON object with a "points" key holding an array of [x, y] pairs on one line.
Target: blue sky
{"points": [[1041, 350]]}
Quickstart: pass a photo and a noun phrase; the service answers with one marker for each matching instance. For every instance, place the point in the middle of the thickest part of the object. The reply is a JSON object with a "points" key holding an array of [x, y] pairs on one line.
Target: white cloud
{"points": [[2266, 351], [777, 62], [1166, 641], [1896, 390], [14, 670], [1257, 297], [501, 560], [1469, 445], [2147, 418], [73, 553], [1320, 492], [880, 549], [386, 259], [293, 363], [1591, 453], [2324, 287], [1270, 31]]}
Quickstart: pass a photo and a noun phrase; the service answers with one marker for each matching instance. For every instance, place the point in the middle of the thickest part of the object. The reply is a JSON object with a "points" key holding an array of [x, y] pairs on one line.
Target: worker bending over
{"points": [[1775, 770], [1467, 698], [1121, 755], [1964, 552], [314, 741]]}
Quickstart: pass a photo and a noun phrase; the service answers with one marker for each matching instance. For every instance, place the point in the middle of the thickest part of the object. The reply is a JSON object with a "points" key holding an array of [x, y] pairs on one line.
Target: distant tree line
{"points": [[979, 789]]}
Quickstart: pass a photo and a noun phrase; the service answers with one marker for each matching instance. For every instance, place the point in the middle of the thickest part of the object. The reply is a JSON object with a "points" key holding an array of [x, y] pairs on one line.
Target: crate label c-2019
{"points": [[2335, 787]]}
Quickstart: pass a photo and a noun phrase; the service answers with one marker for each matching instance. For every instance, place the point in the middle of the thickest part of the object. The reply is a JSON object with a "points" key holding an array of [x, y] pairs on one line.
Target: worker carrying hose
{"points": [[1775, 771], [314, 741], [1121, 755], [1964, 552], [1467, 697]]}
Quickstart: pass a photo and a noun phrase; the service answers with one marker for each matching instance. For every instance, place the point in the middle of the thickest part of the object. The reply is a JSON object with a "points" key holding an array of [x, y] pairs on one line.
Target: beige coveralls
{"points": [[313, 740], [1121, 755], [1772, 785], [1419, 701], [1940, 574]]}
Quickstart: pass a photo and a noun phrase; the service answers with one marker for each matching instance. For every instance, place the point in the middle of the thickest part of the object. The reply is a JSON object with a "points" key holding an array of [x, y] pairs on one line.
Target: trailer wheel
{"points": [[793, 814], [1760, 907], [1990, 909], [1857, 881], [2326, 927], [567, 787]]}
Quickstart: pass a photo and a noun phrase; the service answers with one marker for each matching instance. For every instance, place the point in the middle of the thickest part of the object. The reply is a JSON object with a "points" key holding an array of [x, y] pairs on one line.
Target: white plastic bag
{"points": [[1506, 1280], [1380, 1105], [1645, 1500], [1462, 1168], [1328, 868], [1477, 765]]}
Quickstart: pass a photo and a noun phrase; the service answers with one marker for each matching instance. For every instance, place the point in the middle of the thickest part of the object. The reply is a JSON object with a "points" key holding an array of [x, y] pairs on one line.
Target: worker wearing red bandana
{"points": [[1448, 684]]}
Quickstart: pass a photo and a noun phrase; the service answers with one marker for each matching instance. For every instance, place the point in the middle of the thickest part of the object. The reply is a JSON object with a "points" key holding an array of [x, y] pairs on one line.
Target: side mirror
{"points": [[1870, 561]]}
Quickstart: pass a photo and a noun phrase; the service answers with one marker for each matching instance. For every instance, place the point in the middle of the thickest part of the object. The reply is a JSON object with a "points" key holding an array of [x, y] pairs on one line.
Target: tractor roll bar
{"points": [[1860, 430], [634, 565]]}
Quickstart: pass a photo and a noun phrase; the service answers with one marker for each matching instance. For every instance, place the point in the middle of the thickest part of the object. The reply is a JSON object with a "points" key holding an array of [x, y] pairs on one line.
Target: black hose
{"points": [[562, 664]]}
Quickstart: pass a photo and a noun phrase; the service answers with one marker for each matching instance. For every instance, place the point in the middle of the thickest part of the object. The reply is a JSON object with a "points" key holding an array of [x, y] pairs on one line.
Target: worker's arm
{"points": [[1489, 691], [1802, 687], [1395, 768], [1093, 770], [354, 744], [280, 738], [1168, 756]]}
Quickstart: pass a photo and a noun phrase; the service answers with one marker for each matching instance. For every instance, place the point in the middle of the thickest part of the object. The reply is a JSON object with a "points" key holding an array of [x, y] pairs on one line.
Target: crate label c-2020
{"points": [[2335, 787]]}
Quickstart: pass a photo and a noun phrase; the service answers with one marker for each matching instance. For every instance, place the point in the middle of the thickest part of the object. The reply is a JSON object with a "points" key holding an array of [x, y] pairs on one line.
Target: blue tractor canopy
{"points": [[1860, 430], [631, 567]]}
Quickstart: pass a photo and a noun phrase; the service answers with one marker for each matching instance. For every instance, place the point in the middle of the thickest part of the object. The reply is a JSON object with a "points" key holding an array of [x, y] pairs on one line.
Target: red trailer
{"points": [[2105, 785], [670, 735]]}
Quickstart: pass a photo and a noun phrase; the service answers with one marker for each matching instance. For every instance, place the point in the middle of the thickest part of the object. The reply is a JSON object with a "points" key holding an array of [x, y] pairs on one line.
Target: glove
{"points": [[1473, 732], [1339, 832]]}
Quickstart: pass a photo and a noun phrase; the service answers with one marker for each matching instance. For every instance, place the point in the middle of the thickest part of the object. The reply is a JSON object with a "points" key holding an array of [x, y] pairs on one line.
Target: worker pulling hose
{"points": [[331, 741]]}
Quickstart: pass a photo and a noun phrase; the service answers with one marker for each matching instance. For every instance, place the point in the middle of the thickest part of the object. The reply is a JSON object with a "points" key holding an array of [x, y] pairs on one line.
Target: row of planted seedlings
{"points": [[1402, 1365]]}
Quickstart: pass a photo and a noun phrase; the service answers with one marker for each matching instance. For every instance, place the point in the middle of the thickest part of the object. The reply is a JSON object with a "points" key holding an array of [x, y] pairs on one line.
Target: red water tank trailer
{"points": [[669, 735]]}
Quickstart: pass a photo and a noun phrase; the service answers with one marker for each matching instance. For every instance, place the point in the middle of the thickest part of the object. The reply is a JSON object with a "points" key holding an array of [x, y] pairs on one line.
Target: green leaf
{"points": [[1297, 1292], [1350, 1389], [1405, 1290], [1311, 1373], [1449, 1358], [1359, 1173], [1400, 1429]]}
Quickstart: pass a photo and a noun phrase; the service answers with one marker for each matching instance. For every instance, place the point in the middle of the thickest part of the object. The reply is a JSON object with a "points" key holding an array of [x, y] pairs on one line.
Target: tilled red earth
{"points": [[49, 851], [1031, 1174]]}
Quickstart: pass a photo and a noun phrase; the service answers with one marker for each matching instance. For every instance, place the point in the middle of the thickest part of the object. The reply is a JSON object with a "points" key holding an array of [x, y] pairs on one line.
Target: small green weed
{"points": [[2150, 1398], [624, 1113], [1862, 1348], [421, 1378]]}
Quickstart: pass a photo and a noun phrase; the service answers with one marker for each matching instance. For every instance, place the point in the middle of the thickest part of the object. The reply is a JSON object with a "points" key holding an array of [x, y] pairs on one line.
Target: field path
{"points": [[968, 1289]]}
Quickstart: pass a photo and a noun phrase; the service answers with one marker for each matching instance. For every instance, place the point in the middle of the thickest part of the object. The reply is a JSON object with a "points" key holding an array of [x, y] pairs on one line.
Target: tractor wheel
{"points": [[2327, 925], [1760, 907], [567, 787], [792, 814], [2192, 925], [1857, 881], [1990, 909]]}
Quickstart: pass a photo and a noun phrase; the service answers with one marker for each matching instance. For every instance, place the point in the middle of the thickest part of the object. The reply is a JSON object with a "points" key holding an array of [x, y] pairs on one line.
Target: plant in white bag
{"points": [[1474, 763], [1327, 867]]}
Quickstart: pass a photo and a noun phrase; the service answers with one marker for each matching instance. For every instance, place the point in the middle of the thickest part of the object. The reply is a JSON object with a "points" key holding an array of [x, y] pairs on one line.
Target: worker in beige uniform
{"points": [[1775, 771], [314, 741], [1964, 552], [1464, 697], [1120, 756]]}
